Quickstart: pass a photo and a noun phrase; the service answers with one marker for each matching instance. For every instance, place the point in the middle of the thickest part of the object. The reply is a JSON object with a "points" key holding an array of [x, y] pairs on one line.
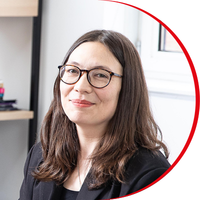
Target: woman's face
{"points": [[82, 103]]}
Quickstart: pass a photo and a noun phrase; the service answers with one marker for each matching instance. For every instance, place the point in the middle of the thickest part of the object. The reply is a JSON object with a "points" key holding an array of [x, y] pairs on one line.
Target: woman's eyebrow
{"points": [[101, 67], [72, 63], [91, 67]]}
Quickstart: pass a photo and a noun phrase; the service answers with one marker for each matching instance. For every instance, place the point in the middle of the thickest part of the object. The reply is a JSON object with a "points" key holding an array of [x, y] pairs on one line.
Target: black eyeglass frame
{"points": [[87, 71]]}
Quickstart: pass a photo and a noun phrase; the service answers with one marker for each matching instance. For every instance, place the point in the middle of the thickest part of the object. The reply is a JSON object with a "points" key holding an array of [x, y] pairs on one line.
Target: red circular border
{"points": [[197, 94]]}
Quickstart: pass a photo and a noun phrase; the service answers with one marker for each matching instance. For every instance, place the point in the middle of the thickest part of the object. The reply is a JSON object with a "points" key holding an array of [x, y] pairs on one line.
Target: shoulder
{"points": [[36, 150], [34, 158], [35, 154], [145, 167], [147, 159]]}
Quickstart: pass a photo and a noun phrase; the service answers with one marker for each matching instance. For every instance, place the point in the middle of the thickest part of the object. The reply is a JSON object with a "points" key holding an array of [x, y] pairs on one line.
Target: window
{"points": [[166, 69], [166, 42]]}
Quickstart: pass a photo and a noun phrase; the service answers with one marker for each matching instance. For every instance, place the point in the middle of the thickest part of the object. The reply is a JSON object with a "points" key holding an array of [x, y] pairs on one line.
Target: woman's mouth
{"points": [[81, 103]]}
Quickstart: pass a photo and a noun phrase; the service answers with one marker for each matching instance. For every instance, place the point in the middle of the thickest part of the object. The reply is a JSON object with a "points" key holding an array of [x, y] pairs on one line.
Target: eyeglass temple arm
{"points": [[112, 73]]}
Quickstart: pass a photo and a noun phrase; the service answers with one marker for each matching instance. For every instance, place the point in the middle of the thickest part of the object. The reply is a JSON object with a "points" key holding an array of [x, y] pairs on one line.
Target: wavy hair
{"points": [[131, 127]]}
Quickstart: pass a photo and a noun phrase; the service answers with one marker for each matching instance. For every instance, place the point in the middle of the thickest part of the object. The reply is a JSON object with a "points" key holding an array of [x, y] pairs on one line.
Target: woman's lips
{"points": [[81, 103]]}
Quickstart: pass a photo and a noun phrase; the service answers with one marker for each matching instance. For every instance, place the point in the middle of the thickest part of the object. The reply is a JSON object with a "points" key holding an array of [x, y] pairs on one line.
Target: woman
{"points": [[98, 139]]}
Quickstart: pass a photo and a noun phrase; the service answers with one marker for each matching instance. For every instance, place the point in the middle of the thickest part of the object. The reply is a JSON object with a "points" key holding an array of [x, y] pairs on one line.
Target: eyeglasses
{"points": [[97, 77]]}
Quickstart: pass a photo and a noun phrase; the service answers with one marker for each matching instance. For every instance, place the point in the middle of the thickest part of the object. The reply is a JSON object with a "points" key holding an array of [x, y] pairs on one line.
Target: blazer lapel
{"points": [[85, 193], [88, 194], [48, 191]]}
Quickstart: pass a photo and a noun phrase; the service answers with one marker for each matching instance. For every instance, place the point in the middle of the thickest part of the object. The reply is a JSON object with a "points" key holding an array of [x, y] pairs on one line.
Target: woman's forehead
{"points": [[94, 54]]}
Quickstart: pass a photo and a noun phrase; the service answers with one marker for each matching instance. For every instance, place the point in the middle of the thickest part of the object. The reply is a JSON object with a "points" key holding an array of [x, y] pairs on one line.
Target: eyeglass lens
{"points": [[97, 77]]}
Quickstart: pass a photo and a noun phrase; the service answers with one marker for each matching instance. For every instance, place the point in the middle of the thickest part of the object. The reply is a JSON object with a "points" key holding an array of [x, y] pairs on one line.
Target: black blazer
{"points": [[142, 169]]}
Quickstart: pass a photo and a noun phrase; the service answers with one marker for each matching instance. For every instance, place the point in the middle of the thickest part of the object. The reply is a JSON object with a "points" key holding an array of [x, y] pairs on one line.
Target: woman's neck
{"points": [[89, 138]]}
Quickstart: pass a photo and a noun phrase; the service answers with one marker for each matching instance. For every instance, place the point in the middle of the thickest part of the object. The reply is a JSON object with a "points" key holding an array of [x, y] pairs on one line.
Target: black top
{"points": [[142, 169], [68, 194]]}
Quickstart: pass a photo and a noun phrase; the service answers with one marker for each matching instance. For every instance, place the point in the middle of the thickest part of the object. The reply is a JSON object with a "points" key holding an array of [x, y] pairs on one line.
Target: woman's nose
{"points": [[83, 86]]}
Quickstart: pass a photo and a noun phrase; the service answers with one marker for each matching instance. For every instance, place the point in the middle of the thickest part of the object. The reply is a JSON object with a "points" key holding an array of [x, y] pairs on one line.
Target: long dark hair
{"points": [[131, 127]]}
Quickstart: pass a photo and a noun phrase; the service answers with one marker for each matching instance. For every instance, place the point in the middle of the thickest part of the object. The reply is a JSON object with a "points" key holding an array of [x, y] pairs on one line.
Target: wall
{"points": [[15, 65], [174, 115]]}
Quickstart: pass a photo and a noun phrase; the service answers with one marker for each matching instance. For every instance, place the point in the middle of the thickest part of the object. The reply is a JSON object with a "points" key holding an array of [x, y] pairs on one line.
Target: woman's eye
{"points": [[99, 75], [72, 71]]}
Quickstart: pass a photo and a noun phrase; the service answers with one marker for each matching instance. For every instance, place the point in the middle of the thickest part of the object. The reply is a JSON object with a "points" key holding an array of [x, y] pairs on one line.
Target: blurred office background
{"points": [[167, 71]]}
